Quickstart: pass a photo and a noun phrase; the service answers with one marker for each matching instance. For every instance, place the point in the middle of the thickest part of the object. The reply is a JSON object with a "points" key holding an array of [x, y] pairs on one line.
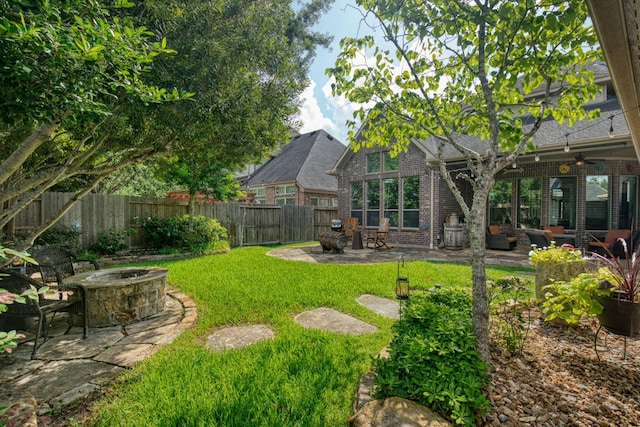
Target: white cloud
{"points": [[311, 114]]}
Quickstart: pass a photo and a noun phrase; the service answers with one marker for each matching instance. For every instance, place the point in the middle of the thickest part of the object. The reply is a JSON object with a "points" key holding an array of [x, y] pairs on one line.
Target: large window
{"points": [[281, 190], [411, 202], [355, 203], [390, 163], [529, 202], [500, 202], [627, 201], [373, 162], [373, 203], [285, 201], [390, 200], [563, 201], [597, 202]]}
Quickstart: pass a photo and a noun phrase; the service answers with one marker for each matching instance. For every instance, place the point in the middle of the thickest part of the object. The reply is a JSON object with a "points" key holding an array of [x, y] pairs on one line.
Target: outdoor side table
{"points": [[357, 240]]}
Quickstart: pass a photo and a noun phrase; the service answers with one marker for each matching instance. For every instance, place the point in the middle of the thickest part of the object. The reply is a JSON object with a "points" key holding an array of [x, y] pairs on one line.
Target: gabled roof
{"points": [[551, 135], [304, 160]]}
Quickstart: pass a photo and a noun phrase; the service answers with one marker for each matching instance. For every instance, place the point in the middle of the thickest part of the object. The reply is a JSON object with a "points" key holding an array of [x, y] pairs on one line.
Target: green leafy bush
{"points": [[111, 241], [554, 253], [176, 233], [60, 235], [433, 359], [511, 311], [574, 299]]}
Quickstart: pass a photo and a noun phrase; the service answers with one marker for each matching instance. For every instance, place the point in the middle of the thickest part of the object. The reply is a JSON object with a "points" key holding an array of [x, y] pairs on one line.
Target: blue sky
{"points": [[320, 110]]}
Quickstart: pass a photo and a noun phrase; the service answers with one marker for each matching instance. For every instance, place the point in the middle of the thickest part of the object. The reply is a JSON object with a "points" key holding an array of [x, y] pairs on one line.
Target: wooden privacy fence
{"points": [[246, 224]]}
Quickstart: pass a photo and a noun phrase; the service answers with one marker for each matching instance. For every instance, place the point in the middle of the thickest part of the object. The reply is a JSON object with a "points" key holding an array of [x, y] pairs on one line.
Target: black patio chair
{"points": [[56, 263], [17, 283], [539, 238]]}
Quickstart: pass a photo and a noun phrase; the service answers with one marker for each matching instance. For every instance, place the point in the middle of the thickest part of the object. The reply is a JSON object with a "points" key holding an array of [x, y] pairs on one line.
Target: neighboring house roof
{"points": [[305, 161]]}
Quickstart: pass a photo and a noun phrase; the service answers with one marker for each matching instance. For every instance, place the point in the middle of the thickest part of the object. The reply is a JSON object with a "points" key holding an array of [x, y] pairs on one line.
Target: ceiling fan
{"points": [[581, 161]]}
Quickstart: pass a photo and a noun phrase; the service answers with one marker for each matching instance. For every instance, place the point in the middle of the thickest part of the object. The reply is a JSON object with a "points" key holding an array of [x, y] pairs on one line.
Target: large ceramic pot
{"points": [[619, 316]]}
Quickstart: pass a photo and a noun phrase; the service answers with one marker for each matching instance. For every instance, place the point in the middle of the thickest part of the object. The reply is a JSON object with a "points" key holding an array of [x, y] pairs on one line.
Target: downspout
{"points": [[431, 220]]}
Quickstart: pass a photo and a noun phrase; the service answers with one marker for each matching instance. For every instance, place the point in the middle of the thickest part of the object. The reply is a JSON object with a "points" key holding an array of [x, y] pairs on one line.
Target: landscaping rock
{"points": [[397, 412], [238, 337], [332, 320]]}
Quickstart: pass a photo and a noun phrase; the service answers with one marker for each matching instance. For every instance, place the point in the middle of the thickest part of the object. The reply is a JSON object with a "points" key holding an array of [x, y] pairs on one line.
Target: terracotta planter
{"points": [[619, 316]]}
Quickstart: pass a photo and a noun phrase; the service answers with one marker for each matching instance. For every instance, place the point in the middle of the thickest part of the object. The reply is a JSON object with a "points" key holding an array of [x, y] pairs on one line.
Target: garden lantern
{"points": [[402, 283]]}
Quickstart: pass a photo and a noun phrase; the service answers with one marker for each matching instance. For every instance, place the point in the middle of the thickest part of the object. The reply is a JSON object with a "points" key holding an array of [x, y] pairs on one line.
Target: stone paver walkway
{"points": [[69, 367]]}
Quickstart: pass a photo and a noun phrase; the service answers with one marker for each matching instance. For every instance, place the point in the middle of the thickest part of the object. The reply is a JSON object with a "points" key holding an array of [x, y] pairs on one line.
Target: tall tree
{"points": [[69, 69], [457, 69], [81, 97]]}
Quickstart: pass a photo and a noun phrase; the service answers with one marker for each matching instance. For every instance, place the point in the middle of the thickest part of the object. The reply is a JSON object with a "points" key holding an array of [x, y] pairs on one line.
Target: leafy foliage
{"points": [[572, 300], [179, 232], [510, 306], [554, 254], [433, 358], [59, 235], [111, 241], [626, 271]]}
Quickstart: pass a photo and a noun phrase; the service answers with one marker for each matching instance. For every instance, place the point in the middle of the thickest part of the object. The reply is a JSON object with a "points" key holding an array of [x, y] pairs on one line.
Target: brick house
{"points": [[297, 175], [589, 189]]}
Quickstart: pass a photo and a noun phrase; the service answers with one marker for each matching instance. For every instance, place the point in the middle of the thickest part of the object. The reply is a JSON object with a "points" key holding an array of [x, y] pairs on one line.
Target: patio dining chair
{"points": [[41, 307], [56, 264]]}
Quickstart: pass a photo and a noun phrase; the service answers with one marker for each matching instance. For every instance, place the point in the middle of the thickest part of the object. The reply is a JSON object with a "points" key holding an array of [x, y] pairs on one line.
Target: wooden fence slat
{"points": [[245, 224]]}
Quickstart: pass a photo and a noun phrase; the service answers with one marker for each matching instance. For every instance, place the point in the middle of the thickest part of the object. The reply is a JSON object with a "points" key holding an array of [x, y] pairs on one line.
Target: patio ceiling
{"points": [[617, 23]]}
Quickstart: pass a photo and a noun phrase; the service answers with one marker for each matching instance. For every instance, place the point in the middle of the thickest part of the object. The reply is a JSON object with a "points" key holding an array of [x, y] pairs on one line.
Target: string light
{"points": [[514, 165], [566, 146], [611, 133], [594, 123], [536, 157]]}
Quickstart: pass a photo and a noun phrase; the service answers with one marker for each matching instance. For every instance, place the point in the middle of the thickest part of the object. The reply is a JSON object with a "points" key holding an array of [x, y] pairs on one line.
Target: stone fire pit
{"points": [[121, 295]]}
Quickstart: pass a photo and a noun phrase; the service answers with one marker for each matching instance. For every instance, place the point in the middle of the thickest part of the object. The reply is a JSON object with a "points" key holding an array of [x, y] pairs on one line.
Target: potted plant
{"points": [[621, 308], [555, 263]]}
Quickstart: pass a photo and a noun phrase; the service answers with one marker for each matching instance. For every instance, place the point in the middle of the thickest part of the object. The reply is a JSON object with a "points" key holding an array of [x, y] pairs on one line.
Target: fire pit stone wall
{"points": [[122, 295]]}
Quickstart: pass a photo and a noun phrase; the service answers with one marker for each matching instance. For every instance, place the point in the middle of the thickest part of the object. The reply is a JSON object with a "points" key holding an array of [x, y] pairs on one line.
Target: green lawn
{"points": [[300, 378]]}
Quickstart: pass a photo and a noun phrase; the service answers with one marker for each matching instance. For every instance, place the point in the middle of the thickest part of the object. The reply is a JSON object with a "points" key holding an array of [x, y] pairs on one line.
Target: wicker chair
{"points": [[539, 238], [498, 240], [17, 283], [56, 263]]}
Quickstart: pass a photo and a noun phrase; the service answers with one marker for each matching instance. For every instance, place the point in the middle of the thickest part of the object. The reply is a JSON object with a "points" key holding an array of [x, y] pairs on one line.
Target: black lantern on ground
{"points": [[402, 283]]}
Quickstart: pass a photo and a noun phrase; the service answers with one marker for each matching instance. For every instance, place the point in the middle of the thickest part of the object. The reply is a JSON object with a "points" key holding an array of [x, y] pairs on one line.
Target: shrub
{"points": [[60, 235], [510, 311], [574, 299], [554, 254], [111, 241], [433, 359], [176, 233]]}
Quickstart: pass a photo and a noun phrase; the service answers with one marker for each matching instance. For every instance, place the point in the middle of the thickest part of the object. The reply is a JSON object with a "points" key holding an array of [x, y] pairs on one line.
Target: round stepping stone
{"points": [[383, 306], [238, 337], [331, 320]]}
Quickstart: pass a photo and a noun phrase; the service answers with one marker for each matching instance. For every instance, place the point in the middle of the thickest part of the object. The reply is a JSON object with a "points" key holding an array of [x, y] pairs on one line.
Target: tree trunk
{"points": [[476, 227], [38, 137]]}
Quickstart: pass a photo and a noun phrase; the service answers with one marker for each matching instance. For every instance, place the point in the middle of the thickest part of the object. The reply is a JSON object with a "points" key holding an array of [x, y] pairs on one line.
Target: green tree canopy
{"points": [[455, 70], [83, 87]]}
